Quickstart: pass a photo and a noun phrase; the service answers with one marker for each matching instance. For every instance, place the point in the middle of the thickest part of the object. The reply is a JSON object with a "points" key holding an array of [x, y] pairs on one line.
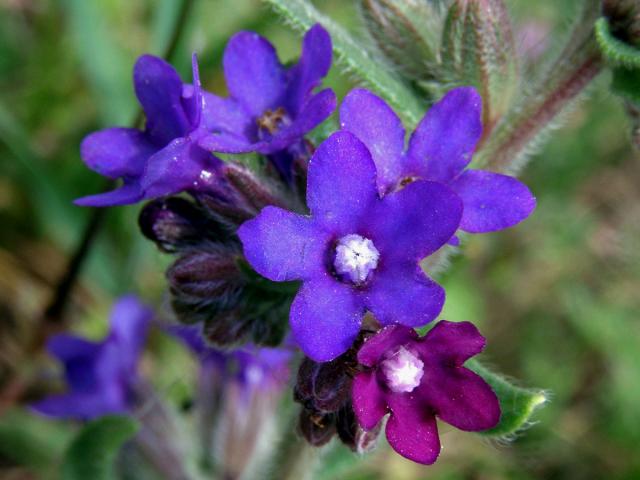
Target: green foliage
{"points": [[516, 403], [355, 58], [626, 83], [93, 452], [615, 50]]}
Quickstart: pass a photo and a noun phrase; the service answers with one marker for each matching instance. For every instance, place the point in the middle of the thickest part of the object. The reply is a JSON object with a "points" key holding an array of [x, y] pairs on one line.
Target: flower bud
{"points": [[407, 33], [624, 19], [478, 49], [175, 223], [317, 428], [324, 387], [255, 191]]}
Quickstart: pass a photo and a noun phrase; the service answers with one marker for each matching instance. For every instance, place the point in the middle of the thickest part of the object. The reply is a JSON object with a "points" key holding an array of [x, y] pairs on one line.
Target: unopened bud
{"points": [[325, 387], [317, 428], [624, 19], [254, 190]]}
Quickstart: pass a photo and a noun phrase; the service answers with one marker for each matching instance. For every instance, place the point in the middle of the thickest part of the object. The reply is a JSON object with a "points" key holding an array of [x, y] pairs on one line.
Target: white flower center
{"points": [[356, 257], [403, 371]]}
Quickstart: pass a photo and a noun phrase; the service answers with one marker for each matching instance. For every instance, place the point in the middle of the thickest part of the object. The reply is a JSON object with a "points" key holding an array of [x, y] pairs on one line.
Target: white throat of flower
{"points": [[403, 371], [356, 257]]}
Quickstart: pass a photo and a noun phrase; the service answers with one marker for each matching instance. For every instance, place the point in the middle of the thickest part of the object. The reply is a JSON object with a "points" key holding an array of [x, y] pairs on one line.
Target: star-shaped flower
{"points": [[165, 157], [100, 375], [439, 150], [416, 379], [271, 107], [357, 252]]}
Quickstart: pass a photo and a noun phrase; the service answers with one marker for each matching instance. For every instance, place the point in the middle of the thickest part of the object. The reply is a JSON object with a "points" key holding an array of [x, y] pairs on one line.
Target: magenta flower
{"points": [[271, 106], [416, 379], [356, 252], [101, 375], [164, 158], [439, 150]]}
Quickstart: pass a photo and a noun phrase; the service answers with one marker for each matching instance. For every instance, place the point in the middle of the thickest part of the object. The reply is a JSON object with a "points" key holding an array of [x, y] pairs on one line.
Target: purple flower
{"points": [[271, 106], [439, 150], [163, 159], [416, 379], [100, 375], [356, 252]]}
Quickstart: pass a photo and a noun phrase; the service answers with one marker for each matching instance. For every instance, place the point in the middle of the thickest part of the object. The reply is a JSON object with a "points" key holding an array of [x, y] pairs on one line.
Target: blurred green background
{"points": [[558, 297]]}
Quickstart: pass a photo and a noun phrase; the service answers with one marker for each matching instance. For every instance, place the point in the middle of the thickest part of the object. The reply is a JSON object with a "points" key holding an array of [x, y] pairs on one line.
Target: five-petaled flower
{"points": [[101, 376], [357, 252], [439, 150], [271, 106], [163, 159], [416, 379]]}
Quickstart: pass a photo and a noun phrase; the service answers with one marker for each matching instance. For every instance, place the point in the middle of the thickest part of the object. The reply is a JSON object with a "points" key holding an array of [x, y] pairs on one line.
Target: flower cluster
{"points": [[331, 235]]}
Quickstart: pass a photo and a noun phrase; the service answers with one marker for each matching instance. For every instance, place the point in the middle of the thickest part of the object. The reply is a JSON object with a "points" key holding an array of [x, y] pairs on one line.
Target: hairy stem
{"points": [[54, 313]]}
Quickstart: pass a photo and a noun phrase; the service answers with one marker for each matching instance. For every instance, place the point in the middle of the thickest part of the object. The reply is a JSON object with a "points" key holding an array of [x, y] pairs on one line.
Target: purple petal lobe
{"points": [[116, 152], [227, 143], [253, 72], [282, 246], [369, 402], [452, 342], [386, 339], [460, 397], [325, 318], [226, 115], [492, 201], [126, 194], [65, 347], [412, 431], [159, 90], [444, 141], [314, 64], [404, 294], [84, 406], [341, 185], [370, 119], [130, 320], [414, 222]]}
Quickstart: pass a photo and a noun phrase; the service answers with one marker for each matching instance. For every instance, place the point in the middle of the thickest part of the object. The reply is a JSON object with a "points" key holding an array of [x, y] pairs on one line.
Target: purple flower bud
{"points": [[317, 428]]}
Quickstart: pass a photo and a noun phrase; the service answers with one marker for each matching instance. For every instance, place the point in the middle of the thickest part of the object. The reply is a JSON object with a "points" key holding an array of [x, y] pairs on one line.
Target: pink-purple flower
{"points": [[270, 106], [416, 379], [165, 157], [101, 376], [439, 150], [356, 252]]}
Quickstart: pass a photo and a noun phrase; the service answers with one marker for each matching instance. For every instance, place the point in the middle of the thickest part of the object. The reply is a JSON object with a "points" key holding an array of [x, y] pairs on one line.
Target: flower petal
{"points": [[117, 152], [459, 397], [452, 343], [341, 183], [283, 246], [226, 115], [492, 201], [130, 320], [386, 339], [370, 119], [414, 222], [369, 402], [125, 195], [404, 294], [159, 90], [65, 347], [444, 141], [81, 406], [325, 318], [253, 72], [314, 64], [175, 168], [412, 430]]}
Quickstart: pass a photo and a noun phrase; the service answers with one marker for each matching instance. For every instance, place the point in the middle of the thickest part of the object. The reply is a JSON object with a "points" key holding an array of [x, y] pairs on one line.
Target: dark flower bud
{"points": [[175, 223], [317, 428], [254, 191], [324, 387], [624, 19]]}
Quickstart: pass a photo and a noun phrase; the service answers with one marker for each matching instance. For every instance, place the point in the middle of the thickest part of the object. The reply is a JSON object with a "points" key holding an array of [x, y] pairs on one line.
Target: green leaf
{"points": [[614, 49], [356, 58], [93, 451], [626, 83], [517, 404]]}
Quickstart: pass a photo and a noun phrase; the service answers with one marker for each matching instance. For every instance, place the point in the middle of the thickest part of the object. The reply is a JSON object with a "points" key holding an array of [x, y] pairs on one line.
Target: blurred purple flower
{"points": [[271, 106], [356, 252], [101, 376], [418, 378], [163, 159], [439, 150]]}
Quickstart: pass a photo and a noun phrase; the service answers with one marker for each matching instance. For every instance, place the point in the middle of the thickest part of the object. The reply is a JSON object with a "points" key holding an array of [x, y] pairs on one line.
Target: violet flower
{"points": [[163, 159], [416, 379], [439, 150], [101, 376], [271, 106], [356, 252]]}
